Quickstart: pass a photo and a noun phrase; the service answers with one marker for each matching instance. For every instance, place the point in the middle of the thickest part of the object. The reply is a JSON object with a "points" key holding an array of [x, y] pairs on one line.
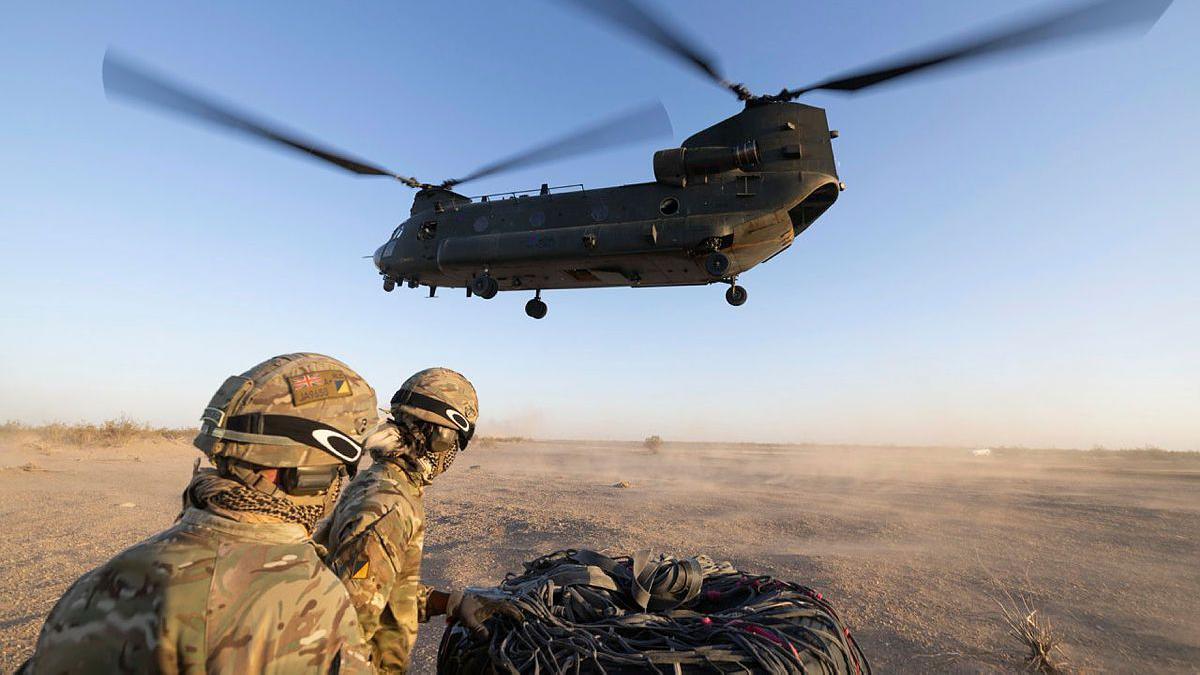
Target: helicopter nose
{"points": [[378, 257]]}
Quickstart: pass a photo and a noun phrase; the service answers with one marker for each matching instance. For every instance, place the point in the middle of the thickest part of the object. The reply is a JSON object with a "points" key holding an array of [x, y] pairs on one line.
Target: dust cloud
{"points": [[912, 545]]}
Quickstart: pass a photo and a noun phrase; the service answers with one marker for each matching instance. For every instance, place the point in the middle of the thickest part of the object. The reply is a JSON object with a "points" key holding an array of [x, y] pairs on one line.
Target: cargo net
{"points": [[584, 612]]}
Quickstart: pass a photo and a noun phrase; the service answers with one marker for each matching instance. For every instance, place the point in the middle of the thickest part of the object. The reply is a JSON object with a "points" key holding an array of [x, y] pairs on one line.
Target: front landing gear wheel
{"points": [[536, 309], [389, 285], [485, 287], [736, 295], [716, 264]]}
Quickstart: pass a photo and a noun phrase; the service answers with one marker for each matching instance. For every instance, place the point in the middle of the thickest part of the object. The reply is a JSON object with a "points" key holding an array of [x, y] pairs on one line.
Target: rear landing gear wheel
{"points": [[736, 295], [389, 285], [536, 309], [485, 287], [716, 264]]}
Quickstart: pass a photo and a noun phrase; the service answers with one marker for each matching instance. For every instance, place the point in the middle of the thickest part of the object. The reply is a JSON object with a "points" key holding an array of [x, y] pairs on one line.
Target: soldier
{"points": [[377, 530], [236, 585]]}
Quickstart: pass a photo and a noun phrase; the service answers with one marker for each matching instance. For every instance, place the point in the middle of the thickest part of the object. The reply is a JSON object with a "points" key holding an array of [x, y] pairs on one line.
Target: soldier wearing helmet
{"points": [[376, 533], [237, 584]]}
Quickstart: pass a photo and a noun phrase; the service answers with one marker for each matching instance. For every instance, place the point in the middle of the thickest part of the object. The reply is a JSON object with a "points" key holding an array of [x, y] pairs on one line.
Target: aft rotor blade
{"points": [[1089, 19], [121, 78], [641, 123], [629, 15]]}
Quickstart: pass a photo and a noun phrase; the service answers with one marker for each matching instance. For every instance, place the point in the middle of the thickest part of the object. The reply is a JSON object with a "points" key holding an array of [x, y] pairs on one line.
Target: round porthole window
{"points": [[481, 224], [668, 206]]}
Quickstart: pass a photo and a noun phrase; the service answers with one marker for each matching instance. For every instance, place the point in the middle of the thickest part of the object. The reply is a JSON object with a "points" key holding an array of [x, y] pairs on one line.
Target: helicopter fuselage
{"points": [[743, 188]]}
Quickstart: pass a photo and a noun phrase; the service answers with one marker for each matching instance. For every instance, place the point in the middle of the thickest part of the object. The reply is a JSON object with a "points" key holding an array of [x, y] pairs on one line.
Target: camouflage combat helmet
{"points": [[442, 397], [293, 410]]}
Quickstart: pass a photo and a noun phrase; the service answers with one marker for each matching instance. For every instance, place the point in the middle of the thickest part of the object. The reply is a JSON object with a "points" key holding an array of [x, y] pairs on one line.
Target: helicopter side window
{"points": [[428, 230], [669, 206]]}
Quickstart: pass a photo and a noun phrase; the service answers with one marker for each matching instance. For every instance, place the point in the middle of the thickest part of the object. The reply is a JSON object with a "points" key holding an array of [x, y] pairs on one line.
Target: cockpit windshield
{"points": [[399, 231]]}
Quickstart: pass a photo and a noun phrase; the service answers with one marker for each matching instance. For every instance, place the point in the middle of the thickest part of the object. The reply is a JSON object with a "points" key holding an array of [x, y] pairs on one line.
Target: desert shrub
{"points": [[177, 433], [489, 441], [115, 432], [1041, 641], [653, 443], [1099, 452]]}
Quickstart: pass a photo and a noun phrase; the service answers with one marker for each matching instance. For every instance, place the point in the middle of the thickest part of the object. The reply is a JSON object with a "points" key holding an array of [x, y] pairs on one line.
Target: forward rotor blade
{"points": [[629, 15], [641, 123], [123, 79], [1089, 19]]}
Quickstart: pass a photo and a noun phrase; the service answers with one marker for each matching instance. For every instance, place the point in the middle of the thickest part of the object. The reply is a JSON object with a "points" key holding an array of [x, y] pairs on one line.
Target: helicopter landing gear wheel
{"points": [[736, 295], [485, 287], [389, 285], [536, 309], [716, 264]]}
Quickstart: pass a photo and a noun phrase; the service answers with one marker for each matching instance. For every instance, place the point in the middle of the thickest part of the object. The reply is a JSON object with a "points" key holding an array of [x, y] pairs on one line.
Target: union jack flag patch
{"points": [[306, 381], [318, 386]]}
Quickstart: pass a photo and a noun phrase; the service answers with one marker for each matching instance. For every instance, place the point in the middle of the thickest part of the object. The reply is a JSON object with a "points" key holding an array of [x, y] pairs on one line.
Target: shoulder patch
{"points": [[318, 386], [362, 572]]}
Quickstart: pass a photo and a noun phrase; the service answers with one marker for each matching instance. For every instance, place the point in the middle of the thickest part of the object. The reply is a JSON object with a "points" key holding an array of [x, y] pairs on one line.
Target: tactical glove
{"points": [[384, 440], [474, 606]]}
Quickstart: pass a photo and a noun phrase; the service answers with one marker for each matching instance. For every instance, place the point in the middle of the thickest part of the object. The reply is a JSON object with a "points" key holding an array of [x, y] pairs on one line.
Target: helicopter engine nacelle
{"points": [[677, 165]]}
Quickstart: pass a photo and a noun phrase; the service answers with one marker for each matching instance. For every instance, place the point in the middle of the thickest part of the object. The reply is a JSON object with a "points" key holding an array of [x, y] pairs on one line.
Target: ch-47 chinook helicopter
{"points": [[729, 198]]}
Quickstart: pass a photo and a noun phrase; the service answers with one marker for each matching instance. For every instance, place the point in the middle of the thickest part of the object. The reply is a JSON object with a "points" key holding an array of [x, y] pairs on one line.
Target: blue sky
{"points": [[1014, 260]]}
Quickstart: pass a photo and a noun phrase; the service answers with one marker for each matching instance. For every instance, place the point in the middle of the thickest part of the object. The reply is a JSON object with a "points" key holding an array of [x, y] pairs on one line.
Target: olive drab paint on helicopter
{"points": [[749, 207], [731, 197]]}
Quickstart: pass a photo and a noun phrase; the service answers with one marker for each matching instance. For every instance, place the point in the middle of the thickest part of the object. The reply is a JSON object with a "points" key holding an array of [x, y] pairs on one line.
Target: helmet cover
{"points": [[440, 396], [293, 410]]}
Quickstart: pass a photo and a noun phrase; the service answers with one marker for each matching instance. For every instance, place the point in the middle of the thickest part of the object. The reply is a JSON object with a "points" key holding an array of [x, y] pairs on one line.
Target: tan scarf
{"points": [[230, 499]]}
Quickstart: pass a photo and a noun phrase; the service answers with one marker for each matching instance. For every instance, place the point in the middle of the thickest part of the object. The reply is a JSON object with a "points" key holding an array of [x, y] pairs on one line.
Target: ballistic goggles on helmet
{"points": [[281, 430], [462, 425]]}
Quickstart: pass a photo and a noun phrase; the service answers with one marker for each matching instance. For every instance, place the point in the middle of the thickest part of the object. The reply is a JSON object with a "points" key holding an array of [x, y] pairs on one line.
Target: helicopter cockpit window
{"points": [[399, 231], [668, 206], [428, 230]]}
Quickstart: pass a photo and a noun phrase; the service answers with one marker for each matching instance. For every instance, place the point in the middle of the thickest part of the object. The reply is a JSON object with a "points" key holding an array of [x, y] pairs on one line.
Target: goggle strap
{"points": [[433, 405], [243, 437], [287, 430]]}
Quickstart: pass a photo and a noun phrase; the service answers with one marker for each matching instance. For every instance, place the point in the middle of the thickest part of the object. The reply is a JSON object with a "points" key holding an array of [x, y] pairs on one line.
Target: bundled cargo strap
{"points": [[585, 612]]}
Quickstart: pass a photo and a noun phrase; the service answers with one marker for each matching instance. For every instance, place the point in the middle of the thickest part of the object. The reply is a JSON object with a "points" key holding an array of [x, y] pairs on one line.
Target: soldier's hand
{"points": [[474, 606], [385, 438]]}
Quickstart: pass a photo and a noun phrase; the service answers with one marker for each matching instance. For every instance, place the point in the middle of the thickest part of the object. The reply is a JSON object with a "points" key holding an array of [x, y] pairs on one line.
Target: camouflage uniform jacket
{"points": [[209, 595], [375, 537]]}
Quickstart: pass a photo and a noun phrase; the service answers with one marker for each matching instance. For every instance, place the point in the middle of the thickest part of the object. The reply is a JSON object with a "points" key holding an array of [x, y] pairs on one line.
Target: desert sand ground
{"points": [[911, 545]]}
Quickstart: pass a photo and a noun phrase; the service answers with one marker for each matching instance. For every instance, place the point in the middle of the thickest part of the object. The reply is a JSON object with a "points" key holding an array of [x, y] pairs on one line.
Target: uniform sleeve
{"points": [[353, 660], [369, 569], [380, 566]]}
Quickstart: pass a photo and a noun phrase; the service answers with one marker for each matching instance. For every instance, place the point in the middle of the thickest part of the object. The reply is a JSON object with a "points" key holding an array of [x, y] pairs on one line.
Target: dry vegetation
{"points": [[1042, 643], [116, 432], [1149, 452], [493, 441]]}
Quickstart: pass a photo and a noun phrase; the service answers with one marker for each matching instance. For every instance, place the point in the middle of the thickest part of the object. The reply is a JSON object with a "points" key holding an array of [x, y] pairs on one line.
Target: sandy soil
{"points": [[911, 545]]}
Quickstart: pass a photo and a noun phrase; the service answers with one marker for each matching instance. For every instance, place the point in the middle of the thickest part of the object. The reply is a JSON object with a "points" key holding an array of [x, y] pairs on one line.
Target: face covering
{"points": [[443, 447], [233, 499], [434, 453]]}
